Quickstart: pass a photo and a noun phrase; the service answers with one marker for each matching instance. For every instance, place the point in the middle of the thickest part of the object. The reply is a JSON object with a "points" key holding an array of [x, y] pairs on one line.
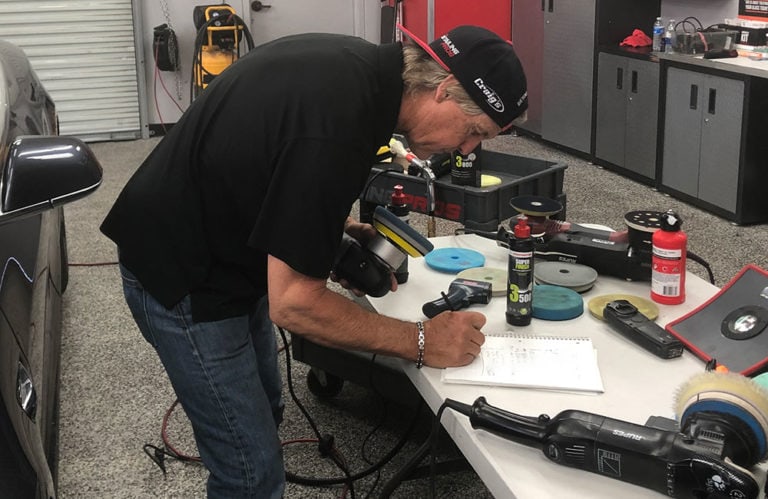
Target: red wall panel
{"points": [[495, 15]]}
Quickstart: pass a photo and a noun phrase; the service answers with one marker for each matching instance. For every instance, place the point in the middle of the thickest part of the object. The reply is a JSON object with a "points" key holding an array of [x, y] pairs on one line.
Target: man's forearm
{"points": [[330, 319]]}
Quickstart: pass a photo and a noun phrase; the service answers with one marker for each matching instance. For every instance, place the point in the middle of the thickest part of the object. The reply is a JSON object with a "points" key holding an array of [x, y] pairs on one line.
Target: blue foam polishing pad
{"points": [[454, 260], [762, 381], [556, 303]]}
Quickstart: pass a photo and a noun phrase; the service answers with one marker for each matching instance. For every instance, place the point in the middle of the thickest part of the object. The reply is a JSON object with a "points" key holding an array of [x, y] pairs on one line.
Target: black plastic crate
{"points": [[480, 208]]}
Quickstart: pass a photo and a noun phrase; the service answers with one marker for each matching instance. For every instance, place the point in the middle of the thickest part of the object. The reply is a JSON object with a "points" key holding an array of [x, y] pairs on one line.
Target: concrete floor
{"points": [[115, 393]]}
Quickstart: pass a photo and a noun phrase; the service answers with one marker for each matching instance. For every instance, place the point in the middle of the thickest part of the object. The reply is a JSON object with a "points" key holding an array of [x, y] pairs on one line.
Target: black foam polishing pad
{"points": [[536, 206]]}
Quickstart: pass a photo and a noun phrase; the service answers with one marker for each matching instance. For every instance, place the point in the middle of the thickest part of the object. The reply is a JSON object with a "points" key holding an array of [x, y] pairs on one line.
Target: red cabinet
{"points": [[428, 19]]}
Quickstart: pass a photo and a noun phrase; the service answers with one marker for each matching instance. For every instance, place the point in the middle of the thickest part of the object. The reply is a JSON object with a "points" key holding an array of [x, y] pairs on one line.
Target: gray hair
{"points": [[422, 73]]}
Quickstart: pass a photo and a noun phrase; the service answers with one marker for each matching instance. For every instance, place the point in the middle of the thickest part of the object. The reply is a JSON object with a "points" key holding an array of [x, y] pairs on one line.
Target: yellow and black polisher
{"points": [[369, 267]]}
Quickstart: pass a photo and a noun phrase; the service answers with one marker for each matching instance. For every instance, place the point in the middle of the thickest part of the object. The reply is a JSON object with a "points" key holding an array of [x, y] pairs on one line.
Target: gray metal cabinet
{"points": [[528, 38], [569, 45], [627, 113], [702, 136]]}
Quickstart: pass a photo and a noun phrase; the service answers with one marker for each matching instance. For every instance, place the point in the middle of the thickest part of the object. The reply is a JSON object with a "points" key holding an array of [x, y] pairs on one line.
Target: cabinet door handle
{"points": [[712, 101], [634, 82], [619, 78], [694, 97], [543, 2], [551, 5]]}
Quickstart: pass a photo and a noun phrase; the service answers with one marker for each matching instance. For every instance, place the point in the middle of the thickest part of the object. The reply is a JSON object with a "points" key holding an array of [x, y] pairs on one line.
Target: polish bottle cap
{"points": [[522, 229]]}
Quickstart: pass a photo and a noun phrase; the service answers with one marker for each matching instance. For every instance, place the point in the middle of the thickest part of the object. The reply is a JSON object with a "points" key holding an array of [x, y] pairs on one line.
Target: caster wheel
{"points": [[322, 384]]}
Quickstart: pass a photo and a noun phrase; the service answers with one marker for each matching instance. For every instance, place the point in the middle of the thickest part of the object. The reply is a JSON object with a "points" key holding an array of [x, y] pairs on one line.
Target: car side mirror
{"points": [[42, 172]]}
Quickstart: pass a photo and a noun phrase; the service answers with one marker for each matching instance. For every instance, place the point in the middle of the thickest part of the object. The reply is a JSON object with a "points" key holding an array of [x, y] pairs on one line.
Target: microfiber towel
{"points": [[636, 39]]}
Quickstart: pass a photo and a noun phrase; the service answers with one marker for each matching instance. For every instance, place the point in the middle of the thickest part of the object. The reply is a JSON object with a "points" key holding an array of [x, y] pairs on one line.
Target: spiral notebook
{"points": [[549, 362]]}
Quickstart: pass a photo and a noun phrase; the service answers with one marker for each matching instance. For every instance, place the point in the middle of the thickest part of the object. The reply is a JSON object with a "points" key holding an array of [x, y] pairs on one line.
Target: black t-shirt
{"points": [[267, 160]]}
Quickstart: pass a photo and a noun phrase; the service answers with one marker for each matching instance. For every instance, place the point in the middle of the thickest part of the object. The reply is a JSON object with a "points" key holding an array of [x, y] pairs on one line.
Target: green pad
{"points": [[556, 303]]}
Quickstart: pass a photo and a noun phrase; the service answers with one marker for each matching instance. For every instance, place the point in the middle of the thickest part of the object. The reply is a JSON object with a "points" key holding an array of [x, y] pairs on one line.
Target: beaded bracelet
{"points": [[420, 358]]}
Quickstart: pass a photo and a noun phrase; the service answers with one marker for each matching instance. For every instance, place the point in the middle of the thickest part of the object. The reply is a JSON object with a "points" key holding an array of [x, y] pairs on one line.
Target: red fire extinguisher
{"points": [[668, 261]]}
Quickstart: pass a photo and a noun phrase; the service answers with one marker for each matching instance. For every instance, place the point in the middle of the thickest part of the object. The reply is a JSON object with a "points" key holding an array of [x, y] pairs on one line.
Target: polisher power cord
{"points": [[325, 443]]}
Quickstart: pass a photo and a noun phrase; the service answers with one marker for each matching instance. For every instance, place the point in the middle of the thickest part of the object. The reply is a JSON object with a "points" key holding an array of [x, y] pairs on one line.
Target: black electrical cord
{"points": [[417, 411], [428, 446], [688, 21], [158, 454], [434, 436], [382, 417], [292, 477], [364, 192], [482, 233], [325, 443], [159, 78], [696, 258]]}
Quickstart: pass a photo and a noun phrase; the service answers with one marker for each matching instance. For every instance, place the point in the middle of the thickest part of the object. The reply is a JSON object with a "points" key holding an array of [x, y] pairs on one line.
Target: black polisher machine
{"points": [[720, 432]]}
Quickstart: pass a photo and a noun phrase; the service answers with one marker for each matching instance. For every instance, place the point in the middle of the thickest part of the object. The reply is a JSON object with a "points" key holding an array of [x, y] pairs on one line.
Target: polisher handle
{"points": [[461, 293]]}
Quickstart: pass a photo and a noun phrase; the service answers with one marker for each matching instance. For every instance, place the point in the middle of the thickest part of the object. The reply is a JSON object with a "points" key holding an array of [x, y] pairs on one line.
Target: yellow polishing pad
{"points": [[646, 307], [497, 278], [489, 180]]}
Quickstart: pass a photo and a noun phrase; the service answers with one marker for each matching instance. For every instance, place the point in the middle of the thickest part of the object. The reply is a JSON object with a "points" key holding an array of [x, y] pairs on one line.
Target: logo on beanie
{"points": [[491, 97], [448, 46]]}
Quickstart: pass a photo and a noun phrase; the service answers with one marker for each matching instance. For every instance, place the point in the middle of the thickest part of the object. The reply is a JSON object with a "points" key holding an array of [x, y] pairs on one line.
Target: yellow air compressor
{"points": [[218, 44]]}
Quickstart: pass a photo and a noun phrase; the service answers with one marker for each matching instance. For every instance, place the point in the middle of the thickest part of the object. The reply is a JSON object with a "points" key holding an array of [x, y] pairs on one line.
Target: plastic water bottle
{"points": [[658, 33], [669, 37]]}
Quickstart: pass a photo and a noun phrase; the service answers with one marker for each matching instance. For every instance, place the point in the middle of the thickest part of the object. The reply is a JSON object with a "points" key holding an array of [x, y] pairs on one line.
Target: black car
{"points": [[40, 172]]}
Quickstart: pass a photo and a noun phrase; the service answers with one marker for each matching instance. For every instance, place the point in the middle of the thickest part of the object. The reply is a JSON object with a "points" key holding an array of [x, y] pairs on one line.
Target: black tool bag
{"points": [[165, 48]]}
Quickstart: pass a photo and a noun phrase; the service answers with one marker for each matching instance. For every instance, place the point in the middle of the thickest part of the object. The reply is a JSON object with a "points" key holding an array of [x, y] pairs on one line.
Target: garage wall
{"points": [[168, 92], [709, 12], [84, 52]]}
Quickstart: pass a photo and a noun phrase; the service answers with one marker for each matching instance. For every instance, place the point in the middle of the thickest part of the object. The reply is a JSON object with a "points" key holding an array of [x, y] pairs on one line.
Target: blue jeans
{"points": [[225, 374]]}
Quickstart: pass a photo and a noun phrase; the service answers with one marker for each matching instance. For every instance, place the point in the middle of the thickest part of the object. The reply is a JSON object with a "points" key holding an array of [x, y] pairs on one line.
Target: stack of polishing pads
{"points": [[558, 284], [579, 278]]}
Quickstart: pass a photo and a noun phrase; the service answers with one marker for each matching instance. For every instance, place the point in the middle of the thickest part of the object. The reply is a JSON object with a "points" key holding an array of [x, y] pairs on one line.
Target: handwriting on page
{"points": [[533, 362], [517, 358]]}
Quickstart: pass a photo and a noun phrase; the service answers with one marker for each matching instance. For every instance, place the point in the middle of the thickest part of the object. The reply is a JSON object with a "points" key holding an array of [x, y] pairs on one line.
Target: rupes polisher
{"points": [[369, 267], [720, 432]]}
